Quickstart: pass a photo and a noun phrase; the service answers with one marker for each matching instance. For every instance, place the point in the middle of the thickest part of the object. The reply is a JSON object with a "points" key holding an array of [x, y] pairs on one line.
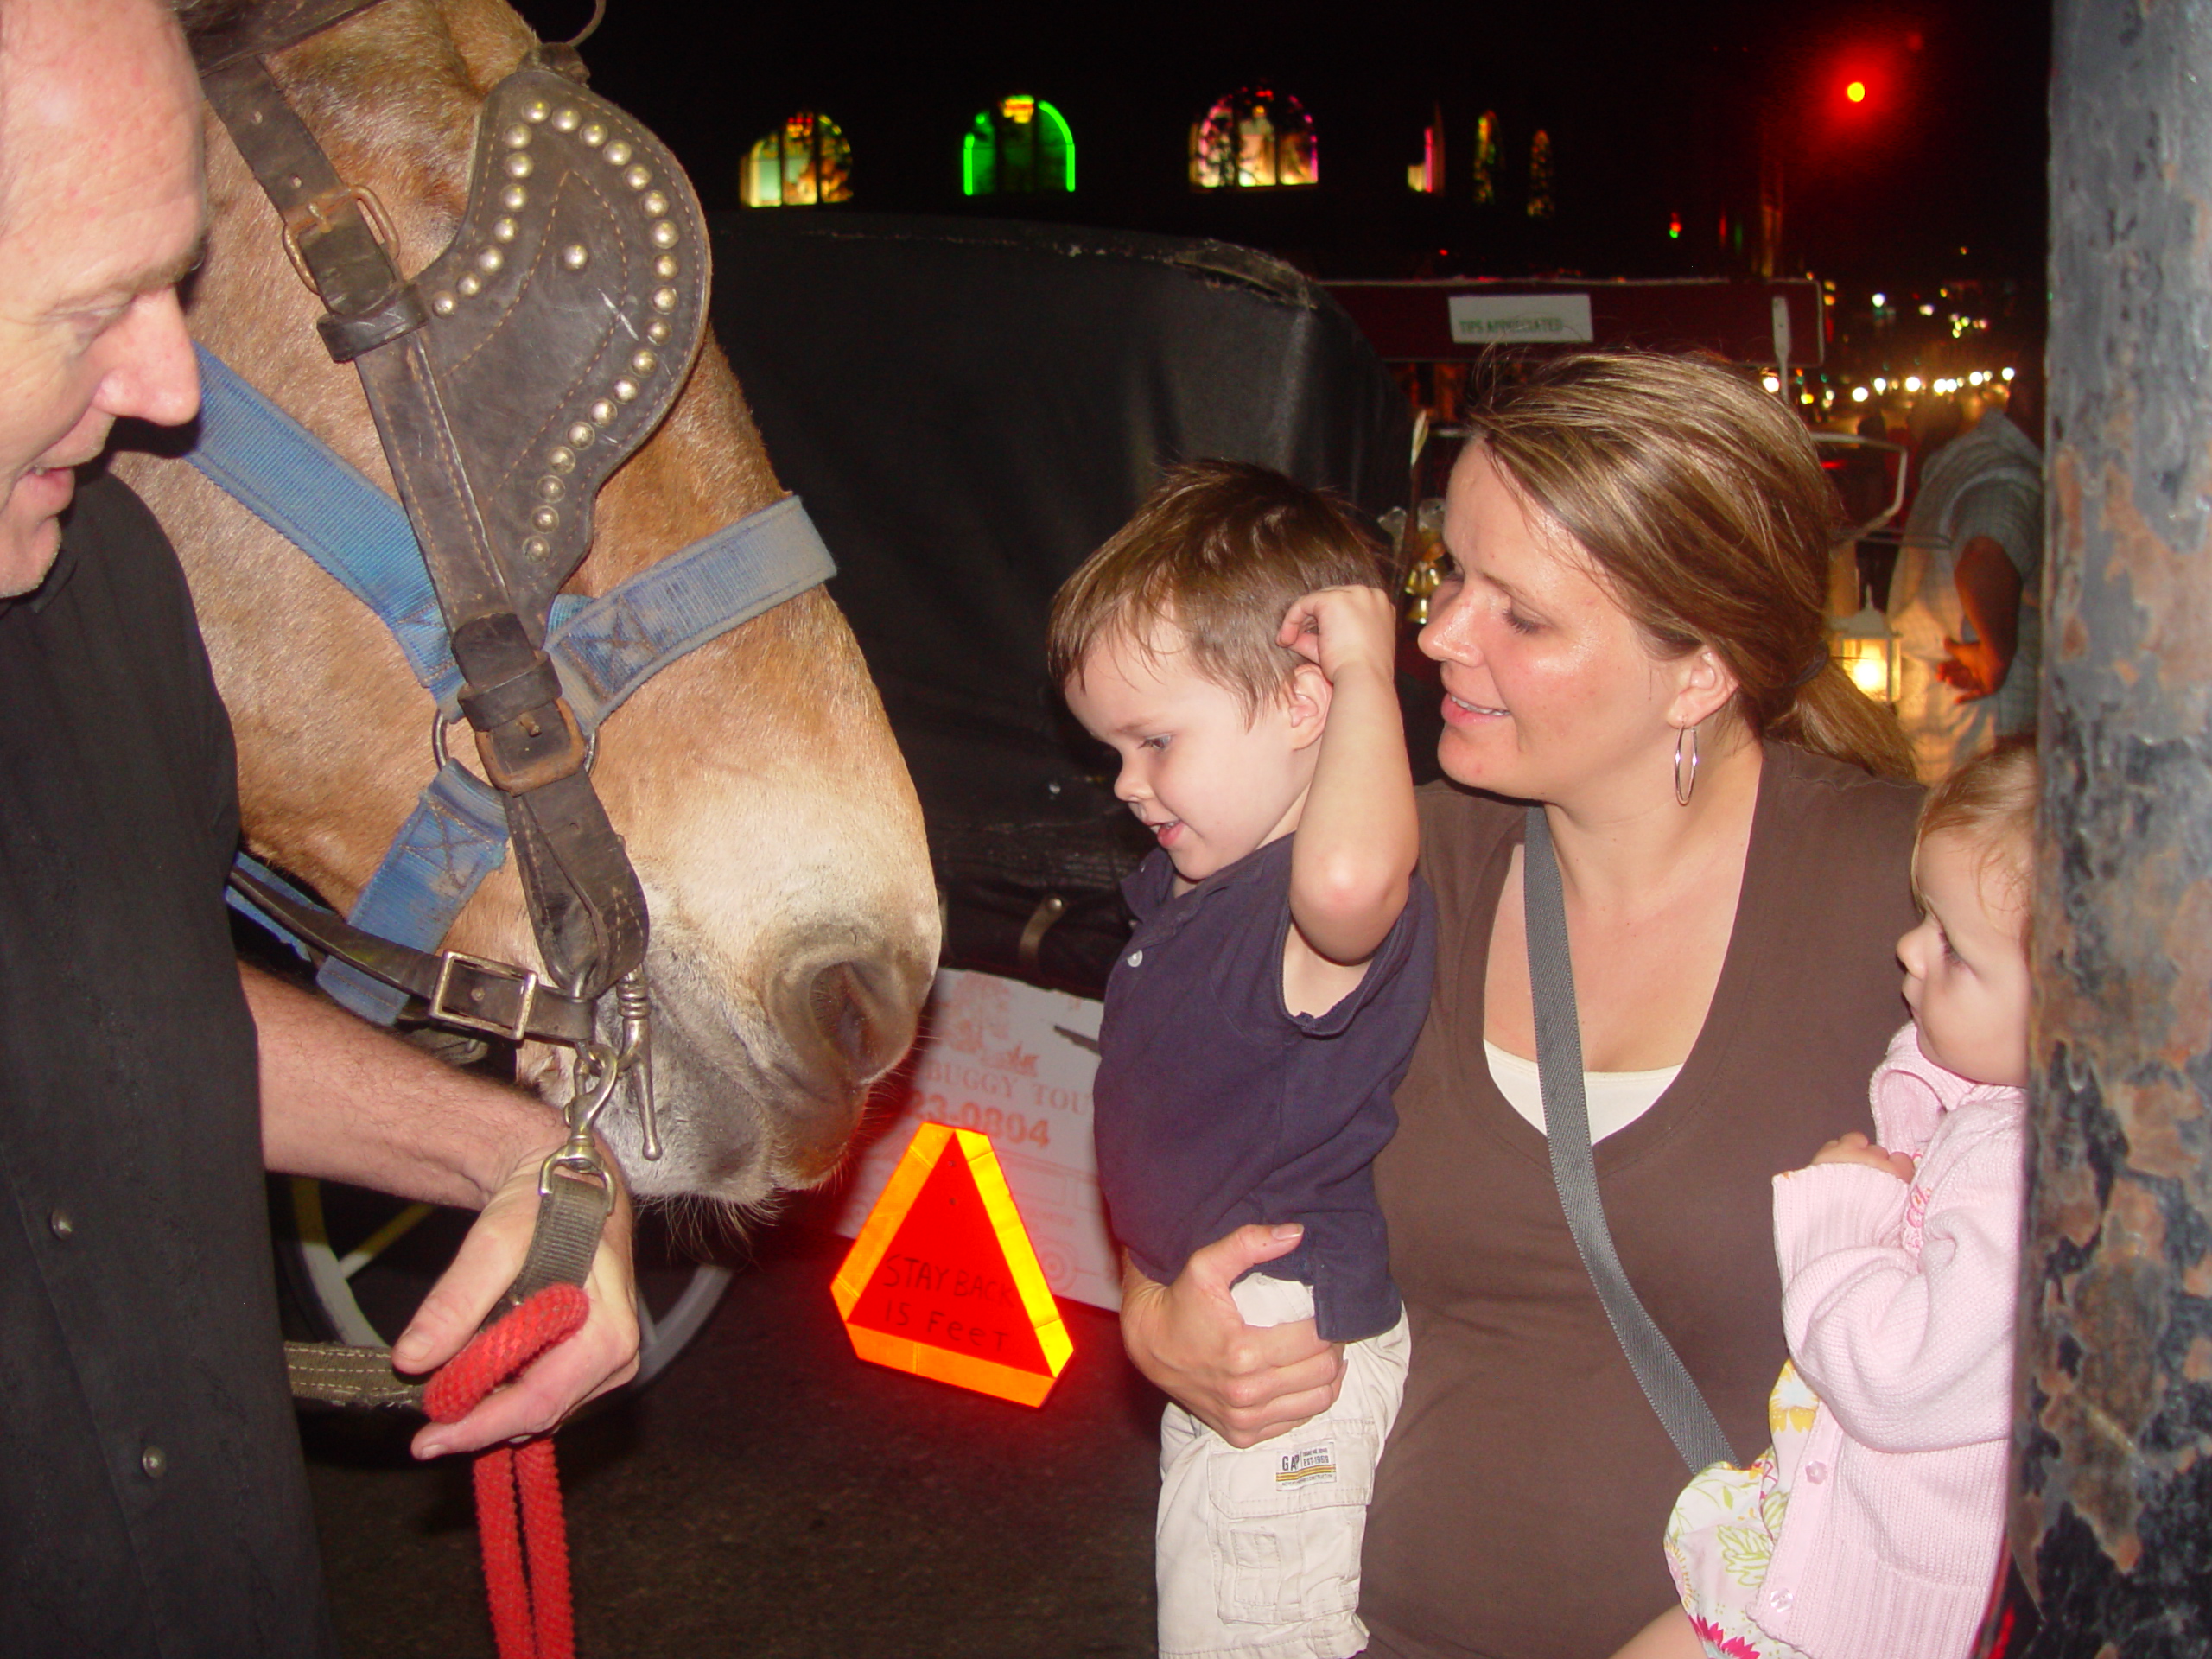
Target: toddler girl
{"points": [[1872, 1528]]}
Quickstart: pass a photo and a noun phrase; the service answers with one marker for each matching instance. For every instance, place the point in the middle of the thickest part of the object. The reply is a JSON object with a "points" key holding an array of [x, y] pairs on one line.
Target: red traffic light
{"points": [[1856, 92]]}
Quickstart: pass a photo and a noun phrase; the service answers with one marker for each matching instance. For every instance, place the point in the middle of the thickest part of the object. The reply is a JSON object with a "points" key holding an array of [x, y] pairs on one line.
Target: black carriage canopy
{"points": [[969, 411]]}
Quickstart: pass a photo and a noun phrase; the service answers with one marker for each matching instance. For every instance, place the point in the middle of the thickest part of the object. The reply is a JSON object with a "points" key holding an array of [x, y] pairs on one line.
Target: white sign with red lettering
{"points": [[1015, 1062]]}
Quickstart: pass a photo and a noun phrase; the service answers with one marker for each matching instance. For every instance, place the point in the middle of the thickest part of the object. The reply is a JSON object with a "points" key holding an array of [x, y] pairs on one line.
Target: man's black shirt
{"points": [[152, 1498]]}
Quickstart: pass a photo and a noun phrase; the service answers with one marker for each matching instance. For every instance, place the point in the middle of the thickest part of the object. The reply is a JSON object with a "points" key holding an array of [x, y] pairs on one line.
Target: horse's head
{"points": [[765, 806]]}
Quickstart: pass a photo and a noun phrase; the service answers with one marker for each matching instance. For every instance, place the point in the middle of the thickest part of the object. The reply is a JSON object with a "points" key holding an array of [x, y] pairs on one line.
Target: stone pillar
{"points": [[2112, 1518]]}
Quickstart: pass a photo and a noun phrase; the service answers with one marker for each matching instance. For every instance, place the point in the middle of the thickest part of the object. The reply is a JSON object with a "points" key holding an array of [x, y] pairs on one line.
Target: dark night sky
{"points": [[1653, 109]]}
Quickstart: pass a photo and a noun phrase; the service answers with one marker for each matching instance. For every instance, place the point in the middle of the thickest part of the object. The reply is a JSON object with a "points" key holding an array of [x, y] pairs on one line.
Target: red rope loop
{"points": [[530, 1613], [495, 1354]]}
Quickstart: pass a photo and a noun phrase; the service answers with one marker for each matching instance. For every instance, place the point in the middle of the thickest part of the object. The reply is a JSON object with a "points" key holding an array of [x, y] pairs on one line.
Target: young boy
{"points": [[1232, 646]]}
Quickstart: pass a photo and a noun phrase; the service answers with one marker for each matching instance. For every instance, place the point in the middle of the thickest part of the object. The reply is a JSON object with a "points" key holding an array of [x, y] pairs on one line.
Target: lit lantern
{"points": [[1425, 570], [943, 1280], [1865, 649]]}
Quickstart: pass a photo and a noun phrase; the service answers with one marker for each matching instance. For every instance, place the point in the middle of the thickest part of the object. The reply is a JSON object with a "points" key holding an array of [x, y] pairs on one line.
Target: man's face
{"points": [[100, 218]]}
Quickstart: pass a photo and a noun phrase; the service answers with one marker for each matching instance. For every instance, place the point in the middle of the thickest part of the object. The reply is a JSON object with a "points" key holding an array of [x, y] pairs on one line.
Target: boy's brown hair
{"points": [[1991, 799], [1219, 549]]}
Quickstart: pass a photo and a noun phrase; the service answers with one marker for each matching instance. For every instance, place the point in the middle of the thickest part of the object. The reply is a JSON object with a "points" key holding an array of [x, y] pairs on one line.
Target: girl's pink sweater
{"points": [[1898, 1301]]}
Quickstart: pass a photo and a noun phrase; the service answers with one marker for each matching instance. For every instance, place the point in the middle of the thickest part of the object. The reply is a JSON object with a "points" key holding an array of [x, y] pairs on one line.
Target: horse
{"points": [[764, 806]]}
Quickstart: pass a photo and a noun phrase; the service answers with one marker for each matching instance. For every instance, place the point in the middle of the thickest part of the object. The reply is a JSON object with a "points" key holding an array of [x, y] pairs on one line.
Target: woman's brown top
{"points": [[1520, 1500]]}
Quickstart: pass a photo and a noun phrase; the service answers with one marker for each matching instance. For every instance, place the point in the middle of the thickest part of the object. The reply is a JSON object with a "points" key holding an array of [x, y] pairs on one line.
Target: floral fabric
{"points": [[1720, 1537]]}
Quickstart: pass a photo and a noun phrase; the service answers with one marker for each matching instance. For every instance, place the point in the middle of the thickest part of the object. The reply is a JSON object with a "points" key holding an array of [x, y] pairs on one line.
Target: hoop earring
{"points": [[1685, 783]]}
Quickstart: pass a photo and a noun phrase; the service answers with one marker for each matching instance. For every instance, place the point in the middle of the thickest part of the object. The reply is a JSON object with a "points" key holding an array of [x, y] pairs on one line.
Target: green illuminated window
{"points": [[1020, 147], [804, 161], [1254, 139]]}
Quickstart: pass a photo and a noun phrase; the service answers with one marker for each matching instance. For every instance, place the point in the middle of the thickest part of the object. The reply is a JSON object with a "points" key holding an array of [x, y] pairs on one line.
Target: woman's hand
{"points": [[1856, 1148], [1246, 1384]]}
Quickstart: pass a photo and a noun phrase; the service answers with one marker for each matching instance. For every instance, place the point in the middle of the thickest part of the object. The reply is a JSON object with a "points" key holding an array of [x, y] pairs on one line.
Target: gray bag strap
{"points": [[1659, 1370]]}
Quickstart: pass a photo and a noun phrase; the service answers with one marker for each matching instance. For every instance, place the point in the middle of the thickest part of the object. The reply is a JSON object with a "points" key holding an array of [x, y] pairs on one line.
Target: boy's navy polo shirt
{"points": [[1216, 1106]]}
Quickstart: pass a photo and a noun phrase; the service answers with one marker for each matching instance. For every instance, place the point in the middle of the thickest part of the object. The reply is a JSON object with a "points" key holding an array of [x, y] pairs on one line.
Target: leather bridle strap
{"points": [[585, 899], [448, 988], [255, 31], [604, 647]]}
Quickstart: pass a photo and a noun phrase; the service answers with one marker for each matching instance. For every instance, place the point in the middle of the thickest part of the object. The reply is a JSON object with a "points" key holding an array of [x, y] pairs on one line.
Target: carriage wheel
{"points": [[357, 1264]]}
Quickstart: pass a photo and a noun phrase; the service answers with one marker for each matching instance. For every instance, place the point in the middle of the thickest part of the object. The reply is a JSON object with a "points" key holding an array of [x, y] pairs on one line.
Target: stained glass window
{"points": [[804, 161], [1541, 205], [1486, 157], [1020, 146], [1254, 138]]}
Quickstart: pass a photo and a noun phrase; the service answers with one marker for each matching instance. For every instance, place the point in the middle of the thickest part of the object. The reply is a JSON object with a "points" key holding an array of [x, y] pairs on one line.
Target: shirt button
{"points": [[155, 1462], [59, 1223], [1816, 1472], [1136, 959], [1782, 1599]]}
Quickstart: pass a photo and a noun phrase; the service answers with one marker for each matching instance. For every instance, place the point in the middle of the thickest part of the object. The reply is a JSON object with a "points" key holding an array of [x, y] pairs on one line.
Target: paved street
{"points": [[772, 1496]]}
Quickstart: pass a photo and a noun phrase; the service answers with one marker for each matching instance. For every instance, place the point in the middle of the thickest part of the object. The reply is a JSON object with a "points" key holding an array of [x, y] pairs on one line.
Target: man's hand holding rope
{"points": [[601, 1357], [344, 1102]]}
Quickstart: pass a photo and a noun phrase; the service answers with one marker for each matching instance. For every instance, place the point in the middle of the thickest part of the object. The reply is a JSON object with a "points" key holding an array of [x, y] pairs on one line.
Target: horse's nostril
{"points": [[845, 1020], [856, 1019]]}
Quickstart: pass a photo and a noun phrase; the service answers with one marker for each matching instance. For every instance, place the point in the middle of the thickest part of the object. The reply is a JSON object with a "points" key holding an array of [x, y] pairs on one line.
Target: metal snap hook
{"points": [[579, 1155], [604, 1067]]}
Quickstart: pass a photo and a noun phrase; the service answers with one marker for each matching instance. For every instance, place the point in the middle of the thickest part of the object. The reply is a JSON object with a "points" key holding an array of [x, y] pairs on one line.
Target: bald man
{"points": [[152, 1498]]}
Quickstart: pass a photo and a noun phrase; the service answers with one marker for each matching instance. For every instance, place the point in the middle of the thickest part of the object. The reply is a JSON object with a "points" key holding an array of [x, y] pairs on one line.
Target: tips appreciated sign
{"points": [[943, 1282], [1520, 319]]}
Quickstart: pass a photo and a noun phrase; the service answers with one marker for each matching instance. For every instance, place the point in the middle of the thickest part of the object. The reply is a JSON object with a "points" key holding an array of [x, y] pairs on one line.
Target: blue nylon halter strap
{"points": [[603, 648]]}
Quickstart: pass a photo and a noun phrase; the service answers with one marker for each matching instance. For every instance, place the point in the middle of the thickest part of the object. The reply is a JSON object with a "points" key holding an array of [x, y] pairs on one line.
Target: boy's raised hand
{"points": [[1343, 626]]}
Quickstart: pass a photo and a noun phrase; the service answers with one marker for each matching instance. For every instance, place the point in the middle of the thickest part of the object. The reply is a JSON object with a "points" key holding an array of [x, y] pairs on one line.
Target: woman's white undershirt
{"points": [[1617, 1099]]}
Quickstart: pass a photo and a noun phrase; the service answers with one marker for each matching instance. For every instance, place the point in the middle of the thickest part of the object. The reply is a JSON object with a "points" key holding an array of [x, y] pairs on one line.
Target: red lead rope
{"points": [[530, 1615]]}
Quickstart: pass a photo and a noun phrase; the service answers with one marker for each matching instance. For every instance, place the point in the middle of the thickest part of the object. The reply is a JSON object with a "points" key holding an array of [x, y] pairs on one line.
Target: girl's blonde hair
{"points": [[1703, 507], [1991, 799]]}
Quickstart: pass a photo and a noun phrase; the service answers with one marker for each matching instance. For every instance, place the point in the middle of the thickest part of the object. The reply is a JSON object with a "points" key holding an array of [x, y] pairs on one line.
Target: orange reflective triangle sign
{"points": [[943, 1280]]}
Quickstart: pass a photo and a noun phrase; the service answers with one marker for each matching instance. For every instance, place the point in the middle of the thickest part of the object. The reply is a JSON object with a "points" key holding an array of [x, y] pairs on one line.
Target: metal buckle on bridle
{"points": [[441, 751], [527, 978], [316, 215]]}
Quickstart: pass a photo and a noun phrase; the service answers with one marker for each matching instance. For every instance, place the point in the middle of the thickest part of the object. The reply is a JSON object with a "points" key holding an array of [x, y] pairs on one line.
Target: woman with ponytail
{"points": [[1632, 639]]}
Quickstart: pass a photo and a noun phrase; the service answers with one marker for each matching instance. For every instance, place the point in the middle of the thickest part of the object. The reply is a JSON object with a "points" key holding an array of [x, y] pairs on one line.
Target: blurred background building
{"points": [[1896, 151]]}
